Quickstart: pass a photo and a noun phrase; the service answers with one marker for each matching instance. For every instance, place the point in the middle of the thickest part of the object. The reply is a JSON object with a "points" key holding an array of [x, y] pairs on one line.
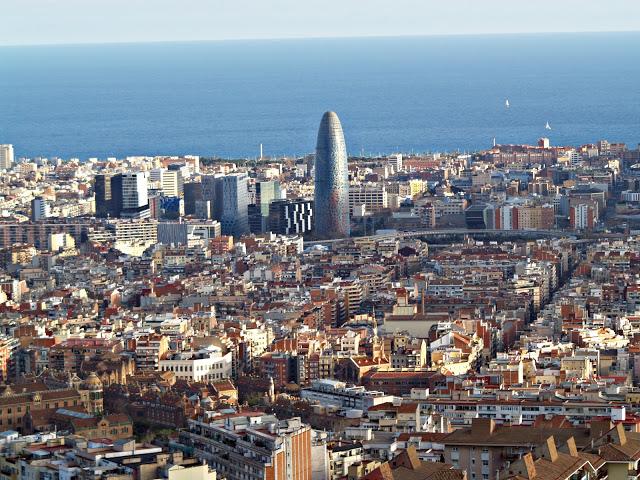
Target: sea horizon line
{"points": [[315, 38]]}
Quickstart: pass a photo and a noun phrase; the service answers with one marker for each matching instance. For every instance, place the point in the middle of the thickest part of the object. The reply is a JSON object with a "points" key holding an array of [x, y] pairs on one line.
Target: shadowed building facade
{"points": [[331, 180], [229, 197]]}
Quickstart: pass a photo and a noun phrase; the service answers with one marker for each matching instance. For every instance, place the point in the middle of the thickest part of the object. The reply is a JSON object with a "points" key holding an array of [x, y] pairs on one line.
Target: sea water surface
{"points": [[392, 94]]}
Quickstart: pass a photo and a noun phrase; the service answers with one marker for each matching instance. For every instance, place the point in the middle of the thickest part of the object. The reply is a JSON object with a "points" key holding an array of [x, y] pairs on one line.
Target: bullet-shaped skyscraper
{"points": [[331, 206]]}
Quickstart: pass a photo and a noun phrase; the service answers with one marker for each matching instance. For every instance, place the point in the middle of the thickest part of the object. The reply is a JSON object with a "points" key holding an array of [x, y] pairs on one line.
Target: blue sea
{"points": [[392, 94]]}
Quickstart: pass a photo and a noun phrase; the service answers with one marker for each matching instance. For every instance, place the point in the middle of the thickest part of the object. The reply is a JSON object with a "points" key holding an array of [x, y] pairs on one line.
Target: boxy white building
{"points": [[208, 364]]}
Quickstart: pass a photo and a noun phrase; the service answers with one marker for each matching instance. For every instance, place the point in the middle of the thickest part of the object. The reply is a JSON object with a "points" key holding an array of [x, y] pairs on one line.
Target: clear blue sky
{"points": [[90, 21]]}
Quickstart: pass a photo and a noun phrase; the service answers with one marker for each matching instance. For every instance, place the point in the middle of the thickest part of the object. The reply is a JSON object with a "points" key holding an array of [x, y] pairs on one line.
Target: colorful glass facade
{"points": [[331, 206]]}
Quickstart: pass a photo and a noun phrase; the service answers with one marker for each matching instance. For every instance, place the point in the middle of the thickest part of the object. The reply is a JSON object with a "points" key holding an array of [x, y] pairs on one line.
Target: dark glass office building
{"points": [[192, 194], [290, 217], [108, 195], [331, 205], [265, 193], [229, 197]]}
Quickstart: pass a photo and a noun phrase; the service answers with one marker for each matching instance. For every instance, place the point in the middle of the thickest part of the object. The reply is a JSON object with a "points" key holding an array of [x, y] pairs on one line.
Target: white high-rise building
{"points": [[170, 181], [574, 157], [40, 209], [507, 218], [581, 216], [372, 195], [395, 161], [135, 197], [155, 175], [6, 157]]}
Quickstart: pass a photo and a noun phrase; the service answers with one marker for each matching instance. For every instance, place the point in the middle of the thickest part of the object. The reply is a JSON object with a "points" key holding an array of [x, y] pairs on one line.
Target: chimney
{"points": [[483, 426], [599, 428], [549, 450], [571, 445], [622, 435], [529, 465]]}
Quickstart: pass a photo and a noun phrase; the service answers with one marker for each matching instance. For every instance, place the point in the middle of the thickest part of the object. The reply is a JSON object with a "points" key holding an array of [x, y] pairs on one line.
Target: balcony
{"points": [[387, 422]]}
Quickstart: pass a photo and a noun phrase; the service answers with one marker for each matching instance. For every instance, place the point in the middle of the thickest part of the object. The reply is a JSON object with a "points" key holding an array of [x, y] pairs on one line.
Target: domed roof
{"points": [[92, 382]]}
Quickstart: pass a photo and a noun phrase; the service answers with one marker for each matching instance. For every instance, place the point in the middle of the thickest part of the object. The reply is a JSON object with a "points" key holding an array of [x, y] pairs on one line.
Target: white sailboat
{"points": [[506, 103], [547, 126]]}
